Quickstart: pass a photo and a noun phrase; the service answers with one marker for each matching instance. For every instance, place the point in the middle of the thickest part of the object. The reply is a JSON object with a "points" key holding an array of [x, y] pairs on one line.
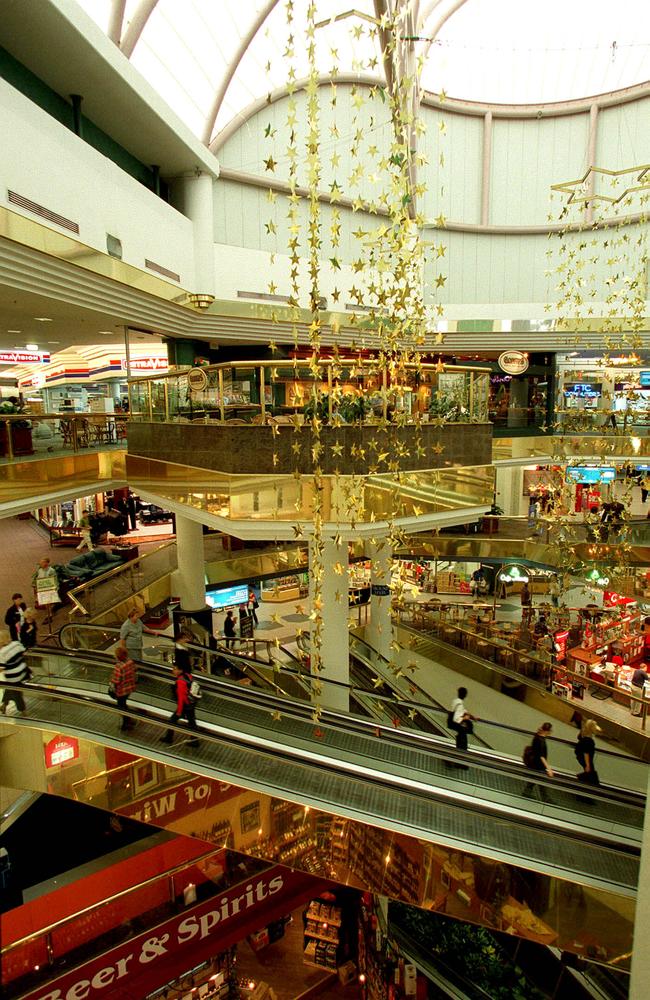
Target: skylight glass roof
{"points": [[496, 51]]}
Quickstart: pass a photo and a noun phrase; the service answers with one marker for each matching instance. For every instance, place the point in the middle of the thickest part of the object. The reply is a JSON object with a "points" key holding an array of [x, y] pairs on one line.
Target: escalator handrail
{"points": [[392, 782], [307, 678], [342, 721]]}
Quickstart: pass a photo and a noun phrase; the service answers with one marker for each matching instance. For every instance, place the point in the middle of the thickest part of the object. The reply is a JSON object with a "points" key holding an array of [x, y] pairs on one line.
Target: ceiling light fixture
{"points": [[31, 347], [43, 319], [14, 331], [106, 333]]}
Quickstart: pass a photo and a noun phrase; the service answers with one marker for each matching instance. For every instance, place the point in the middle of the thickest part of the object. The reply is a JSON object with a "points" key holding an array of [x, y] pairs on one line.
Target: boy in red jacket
{"points": [[184, 706]]}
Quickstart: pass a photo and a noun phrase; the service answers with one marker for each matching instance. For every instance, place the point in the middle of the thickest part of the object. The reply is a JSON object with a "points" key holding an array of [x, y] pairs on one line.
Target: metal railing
{"points": [[48, 434], [123, 583]]}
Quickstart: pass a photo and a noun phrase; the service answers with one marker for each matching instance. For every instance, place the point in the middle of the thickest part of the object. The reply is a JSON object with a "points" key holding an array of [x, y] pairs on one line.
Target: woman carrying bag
{"points": [[585, 752]]}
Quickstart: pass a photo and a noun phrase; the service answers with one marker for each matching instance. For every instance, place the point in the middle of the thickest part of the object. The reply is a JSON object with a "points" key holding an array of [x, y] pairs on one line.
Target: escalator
{"points": [[390, 798]]}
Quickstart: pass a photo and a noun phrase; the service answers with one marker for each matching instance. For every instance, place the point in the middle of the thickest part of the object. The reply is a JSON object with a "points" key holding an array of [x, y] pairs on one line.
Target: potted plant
{"points": [[443, 407], [21, 430], [353, 408], [317, 408]]}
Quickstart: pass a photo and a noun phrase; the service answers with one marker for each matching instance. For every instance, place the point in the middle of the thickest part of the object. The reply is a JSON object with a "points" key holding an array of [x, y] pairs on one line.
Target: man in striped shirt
{"points": [[16, 671]]}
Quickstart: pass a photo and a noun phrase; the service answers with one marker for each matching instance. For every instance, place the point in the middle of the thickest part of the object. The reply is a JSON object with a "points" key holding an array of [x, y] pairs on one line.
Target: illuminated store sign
{"points": [[583, 390], [513, 362], [24, 358], [147, 364], [644, 380]]}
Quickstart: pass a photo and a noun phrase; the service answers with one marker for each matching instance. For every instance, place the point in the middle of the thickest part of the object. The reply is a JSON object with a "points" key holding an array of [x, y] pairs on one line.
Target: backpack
{"points": [[195, 692], [529, 756]]}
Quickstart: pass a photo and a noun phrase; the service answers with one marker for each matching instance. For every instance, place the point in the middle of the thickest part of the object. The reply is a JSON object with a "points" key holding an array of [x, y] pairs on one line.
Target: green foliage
{"points": [[317, 408], [471, 951], [353, 408]]}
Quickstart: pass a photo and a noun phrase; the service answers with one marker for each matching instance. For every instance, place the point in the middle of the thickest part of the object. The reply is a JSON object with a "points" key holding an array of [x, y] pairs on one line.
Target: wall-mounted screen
{"points": [[228, 597], [644, 380], [590, 474]]}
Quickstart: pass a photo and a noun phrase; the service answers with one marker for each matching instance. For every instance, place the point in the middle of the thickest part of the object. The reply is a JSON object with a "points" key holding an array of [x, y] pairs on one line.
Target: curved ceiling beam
{"points": [[116, 20], [233, 67], [442, 20], [141, 15], [251, 109]]}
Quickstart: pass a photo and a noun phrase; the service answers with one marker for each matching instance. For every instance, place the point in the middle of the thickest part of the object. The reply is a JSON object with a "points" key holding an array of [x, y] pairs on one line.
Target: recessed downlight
{"points": [[106, 333], [43, 319], [32, 347], [54, 341], [14, 331]]}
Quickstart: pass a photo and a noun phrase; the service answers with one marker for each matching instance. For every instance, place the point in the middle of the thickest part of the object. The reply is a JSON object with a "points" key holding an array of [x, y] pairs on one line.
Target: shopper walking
{"points": [[554, 591], [123, 681], [29, 630], [526, 603], [252, 606], [184, 706], [229, 630], [461, 722], [86, 540], [16, 672], [585, 752], [536, 758], [15, 615]]}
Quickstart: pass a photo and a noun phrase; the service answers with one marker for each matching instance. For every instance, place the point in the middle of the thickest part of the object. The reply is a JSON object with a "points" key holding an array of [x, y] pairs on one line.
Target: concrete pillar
{"points": [[189, 580], [335, 643], [379, 632], [640, 973], [509, 491], [193, 195]]}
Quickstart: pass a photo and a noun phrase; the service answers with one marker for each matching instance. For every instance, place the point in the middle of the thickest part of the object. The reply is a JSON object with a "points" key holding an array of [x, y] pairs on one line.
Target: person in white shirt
{"points": [[16, 671], [461, 720]]}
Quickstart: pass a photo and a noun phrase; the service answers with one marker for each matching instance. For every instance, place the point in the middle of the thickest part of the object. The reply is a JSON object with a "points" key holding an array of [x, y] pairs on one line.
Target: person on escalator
{"points": [[123, 681], [585, 752], [461, 722], [184, 706], [536, 758]]}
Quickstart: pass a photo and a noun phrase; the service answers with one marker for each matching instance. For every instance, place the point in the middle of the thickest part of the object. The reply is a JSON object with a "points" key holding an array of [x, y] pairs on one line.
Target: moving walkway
{"points": [[405, 782]]}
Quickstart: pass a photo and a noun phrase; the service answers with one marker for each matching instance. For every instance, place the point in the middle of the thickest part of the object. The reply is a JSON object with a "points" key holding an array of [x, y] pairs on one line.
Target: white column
{"points": [[640, 973], [379, 632], [189, 579], [194, 197], [510, 491], [335, 643]]}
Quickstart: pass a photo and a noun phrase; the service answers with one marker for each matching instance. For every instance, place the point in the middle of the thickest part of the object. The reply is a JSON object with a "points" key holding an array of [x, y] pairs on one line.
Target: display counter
{"points": [[284, 588]]}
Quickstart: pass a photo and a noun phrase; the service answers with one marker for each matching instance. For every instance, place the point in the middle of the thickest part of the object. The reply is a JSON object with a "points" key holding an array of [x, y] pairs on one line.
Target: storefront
{"points": [[609, 393]]}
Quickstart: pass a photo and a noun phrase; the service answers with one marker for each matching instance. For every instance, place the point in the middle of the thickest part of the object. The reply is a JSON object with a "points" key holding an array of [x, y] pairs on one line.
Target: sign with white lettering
{"points": [[24, 358], [61, 749], [147, 364], [139, 965], [380, 590]]}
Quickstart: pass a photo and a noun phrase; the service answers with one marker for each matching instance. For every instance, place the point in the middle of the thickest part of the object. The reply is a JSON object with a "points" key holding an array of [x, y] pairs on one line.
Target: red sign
{"points": [[162, 953], [148, 364], [559, 644], [24, 357], [60, 750], [611, 599], [170, 804]]}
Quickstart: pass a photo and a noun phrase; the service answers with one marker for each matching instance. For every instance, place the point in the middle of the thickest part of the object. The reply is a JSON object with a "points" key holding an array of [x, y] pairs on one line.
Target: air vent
{"points": [[151, 264], [263, 297], [42, 211], [114, 246]]}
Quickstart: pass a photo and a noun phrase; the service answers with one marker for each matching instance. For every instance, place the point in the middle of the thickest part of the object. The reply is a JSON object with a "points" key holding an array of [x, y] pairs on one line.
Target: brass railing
{"points": [[349, 390]]}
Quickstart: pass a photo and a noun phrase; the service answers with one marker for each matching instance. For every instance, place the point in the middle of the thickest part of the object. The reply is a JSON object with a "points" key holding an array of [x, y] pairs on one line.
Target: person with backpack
{"points": [[186, 692]]}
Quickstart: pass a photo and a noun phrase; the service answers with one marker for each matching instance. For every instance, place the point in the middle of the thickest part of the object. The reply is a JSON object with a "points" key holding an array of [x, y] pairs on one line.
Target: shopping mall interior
{"points": [[324, 499]]}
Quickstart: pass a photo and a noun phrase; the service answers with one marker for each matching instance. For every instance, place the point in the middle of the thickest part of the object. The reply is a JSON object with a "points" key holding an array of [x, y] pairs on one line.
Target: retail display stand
{"points": [[322, 935]]}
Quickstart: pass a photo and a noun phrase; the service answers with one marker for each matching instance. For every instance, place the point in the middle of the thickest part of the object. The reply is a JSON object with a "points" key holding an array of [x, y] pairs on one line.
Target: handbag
{"points": [[112, 693], [588, 777]]}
